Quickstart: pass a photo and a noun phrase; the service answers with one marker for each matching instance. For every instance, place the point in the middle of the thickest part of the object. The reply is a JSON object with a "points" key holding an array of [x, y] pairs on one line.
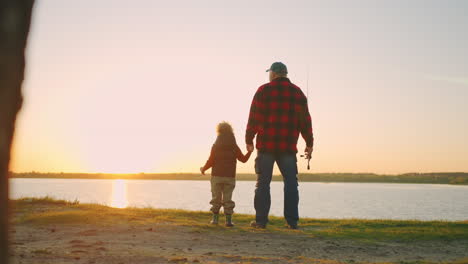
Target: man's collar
{"points": [[281, 79]]}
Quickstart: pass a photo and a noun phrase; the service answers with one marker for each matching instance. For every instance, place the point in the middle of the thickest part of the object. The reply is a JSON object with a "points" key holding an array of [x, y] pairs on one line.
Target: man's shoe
{"points": [[254, 224], [229, 221], [293, 226], [215, 219]]}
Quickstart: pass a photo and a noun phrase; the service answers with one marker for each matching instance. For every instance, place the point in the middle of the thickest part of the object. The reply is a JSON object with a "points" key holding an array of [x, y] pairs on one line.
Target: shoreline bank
{"points": [[55, 231]]}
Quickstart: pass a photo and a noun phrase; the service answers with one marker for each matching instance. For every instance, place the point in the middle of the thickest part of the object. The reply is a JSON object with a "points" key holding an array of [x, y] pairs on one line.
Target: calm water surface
{"points": [[318, 200]]}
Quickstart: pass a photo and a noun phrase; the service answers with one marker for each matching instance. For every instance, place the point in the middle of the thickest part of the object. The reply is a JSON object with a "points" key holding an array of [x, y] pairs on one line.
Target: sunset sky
{"points": [[139, 86]]}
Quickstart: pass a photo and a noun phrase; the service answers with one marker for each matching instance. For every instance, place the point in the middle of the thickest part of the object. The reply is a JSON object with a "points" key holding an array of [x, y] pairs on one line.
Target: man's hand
{"points": [[202, 170], [308, 152], [250, 148]]}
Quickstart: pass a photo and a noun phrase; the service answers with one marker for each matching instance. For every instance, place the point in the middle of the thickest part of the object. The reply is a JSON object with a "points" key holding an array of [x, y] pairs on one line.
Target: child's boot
{"points": [[229, 220], [215, 219]]}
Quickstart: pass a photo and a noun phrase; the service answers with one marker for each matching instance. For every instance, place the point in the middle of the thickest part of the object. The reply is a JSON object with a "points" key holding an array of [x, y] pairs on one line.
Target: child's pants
{"points": [[221, 193]]}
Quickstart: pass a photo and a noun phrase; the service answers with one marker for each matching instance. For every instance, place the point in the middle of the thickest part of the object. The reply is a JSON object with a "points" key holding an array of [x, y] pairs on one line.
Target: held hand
{"points": [[250, 148], [308, 152], [202, 171]]}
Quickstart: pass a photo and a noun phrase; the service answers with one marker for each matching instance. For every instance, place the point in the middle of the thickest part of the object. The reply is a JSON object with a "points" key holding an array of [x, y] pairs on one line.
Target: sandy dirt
{"points": [[167, 243]]}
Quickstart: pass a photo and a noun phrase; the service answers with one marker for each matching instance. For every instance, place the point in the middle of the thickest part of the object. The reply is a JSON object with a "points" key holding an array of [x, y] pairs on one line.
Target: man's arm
{"points": [[306, 125], [255, 118]]}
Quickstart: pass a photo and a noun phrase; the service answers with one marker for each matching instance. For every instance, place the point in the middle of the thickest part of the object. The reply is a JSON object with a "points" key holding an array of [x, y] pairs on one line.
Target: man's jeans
{"points": [[287, 163]]}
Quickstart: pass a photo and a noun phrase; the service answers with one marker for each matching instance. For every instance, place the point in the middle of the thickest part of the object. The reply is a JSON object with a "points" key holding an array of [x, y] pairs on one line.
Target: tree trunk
{"points": [[15, 19]]}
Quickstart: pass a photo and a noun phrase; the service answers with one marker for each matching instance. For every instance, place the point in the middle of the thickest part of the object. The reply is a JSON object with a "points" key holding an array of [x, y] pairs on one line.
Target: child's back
{"points": [[223, 160], [225, 155]]}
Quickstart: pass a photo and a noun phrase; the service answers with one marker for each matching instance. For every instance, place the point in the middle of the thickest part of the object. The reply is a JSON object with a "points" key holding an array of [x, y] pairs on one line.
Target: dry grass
{"points": [[45, 211]]}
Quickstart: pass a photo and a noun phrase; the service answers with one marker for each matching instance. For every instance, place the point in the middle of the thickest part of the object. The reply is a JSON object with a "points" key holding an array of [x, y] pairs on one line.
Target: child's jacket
{"points": [[224, 156]]}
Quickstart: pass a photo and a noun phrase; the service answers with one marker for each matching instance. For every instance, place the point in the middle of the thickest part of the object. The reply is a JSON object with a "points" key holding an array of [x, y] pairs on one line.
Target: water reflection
{"points": [[119, 194]]}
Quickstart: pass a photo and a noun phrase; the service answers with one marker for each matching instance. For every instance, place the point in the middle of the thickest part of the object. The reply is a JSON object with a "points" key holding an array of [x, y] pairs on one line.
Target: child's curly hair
{"points": [[224, 128]]}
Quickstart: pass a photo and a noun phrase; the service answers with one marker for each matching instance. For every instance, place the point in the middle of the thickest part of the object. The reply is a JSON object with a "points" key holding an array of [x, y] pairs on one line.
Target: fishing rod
{"points": [[307, 156]]}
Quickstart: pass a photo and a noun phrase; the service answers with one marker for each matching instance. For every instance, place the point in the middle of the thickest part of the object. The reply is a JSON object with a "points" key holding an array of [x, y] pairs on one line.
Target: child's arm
{"points": [[208, 164], [241, 157]]}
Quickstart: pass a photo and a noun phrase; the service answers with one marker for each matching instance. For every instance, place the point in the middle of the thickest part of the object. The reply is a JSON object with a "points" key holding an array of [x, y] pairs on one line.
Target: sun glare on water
{"points": [[119, 194]]}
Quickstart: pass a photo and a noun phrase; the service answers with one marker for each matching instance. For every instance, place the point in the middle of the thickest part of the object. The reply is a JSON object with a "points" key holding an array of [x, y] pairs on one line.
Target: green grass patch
{"points": [[41, 252], [46, 211], [396, 230], [43, 200]]}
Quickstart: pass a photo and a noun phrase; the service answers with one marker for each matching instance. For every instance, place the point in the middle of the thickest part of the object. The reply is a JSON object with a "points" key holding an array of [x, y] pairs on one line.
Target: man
{"points": [[278, 113]]}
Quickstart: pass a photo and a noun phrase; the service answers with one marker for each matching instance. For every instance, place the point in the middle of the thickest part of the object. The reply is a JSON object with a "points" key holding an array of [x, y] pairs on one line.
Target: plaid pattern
{"points": [[278, 113]]}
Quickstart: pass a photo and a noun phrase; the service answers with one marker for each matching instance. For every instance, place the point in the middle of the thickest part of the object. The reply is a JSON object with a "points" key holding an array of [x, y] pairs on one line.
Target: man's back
{"points": [[278, 114]]}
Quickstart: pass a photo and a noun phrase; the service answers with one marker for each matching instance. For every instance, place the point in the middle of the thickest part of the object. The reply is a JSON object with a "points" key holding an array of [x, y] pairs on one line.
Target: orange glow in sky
{"points": [[140, 88]]}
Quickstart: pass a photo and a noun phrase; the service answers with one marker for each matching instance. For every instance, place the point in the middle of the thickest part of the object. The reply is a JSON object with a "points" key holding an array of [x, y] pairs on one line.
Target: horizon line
{"points": [[242, 173]]}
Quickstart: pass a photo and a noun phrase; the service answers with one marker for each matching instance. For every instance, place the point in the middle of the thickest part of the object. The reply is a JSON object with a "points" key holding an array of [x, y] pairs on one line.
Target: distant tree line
{"points": [[434, 178]]}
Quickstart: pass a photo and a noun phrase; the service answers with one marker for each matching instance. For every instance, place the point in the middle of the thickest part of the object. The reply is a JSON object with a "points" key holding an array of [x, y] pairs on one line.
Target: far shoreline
{"points": [[452, 178]]}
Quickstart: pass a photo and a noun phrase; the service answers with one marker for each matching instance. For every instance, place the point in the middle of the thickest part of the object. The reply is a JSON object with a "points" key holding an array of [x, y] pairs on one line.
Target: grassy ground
{"points": [[364, 230], [430, 178], [55, 231]]}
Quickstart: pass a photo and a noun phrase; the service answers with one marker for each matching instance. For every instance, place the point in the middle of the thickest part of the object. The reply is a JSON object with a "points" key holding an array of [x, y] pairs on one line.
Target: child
{"points": [[223, 159]]}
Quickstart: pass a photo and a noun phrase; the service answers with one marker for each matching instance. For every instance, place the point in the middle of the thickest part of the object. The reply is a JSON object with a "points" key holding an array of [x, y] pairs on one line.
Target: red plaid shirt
{"points": [[278, 113]]}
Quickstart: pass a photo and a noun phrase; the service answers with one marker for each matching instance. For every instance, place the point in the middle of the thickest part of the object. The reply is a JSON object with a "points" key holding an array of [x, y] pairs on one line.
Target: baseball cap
{"points": [[278, 67]]}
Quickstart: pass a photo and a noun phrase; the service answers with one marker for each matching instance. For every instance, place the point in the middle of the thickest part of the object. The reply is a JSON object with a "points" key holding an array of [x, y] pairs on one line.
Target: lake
{"points": [[317, 200]]}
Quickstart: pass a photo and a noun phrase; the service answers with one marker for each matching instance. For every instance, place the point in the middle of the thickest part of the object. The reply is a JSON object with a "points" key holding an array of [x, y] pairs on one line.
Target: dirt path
{"points": [[166, 243]]}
